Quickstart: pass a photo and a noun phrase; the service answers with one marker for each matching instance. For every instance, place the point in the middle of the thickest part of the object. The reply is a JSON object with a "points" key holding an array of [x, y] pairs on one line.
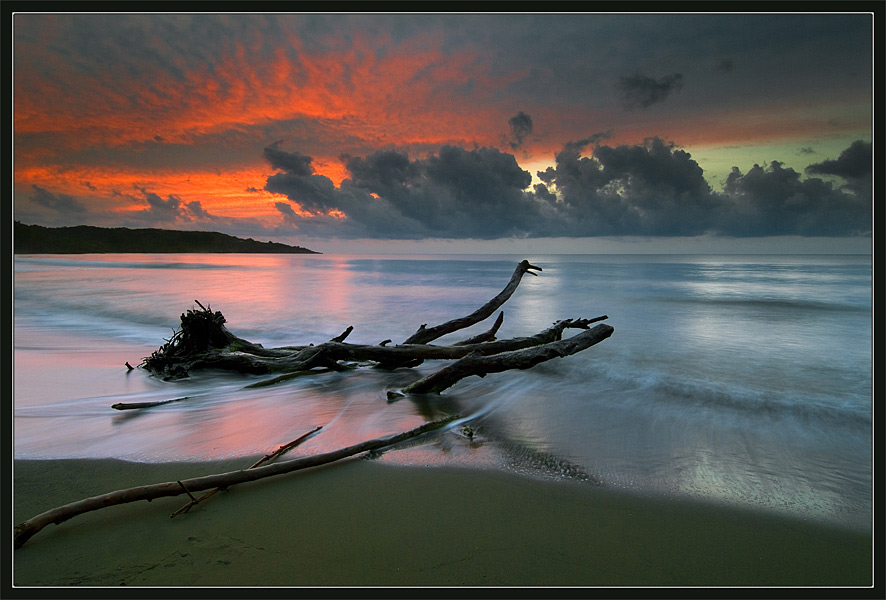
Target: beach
{"points": [[366, 523], [679, 452]]}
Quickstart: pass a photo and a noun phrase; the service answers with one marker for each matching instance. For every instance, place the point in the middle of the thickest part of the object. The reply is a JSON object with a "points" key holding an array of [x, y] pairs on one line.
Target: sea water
{"points": [[745, 380]]}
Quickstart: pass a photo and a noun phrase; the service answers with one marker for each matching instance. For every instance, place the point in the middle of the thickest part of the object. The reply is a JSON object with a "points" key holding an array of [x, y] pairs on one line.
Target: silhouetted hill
{"points": [[83, 239]]}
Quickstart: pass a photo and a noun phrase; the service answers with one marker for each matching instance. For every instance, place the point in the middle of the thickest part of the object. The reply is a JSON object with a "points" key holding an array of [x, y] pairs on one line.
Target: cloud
{"points": [[854, 164], [162, 210], [171, 211], [59, 203], [727, 65], [650, 189], [640, 91], [294, 163], [576, 146], [455, 193], [195, 209], [521, 126], [288, 213], [776, 201]]}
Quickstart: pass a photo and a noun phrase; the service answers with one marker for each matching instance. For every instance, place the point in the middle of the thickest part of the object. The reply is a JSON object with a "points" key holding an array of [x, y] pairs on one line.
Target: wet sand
{"points": [[365, 523]]}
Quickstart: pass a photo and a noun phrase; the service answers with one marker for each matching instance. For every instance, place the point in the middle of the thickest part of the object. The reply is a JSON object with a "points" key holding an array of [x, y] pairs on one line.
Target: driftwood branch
{"points": [[426, 334], [268, 457], [134, 405], [476, 363], [486, 336], [25, 530]]}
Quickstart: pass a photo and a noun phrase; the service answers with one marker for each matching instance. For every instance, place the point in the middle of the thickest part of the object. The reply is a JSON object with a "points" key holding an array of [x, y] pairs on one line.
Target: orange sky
{"points": [[109, 108]]}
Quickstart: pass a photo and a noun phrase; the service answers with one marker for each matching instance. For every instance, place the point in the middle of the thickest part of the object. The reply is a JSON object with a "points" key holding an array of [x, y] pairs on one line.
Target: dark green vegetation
{"points": [[83, 239]]}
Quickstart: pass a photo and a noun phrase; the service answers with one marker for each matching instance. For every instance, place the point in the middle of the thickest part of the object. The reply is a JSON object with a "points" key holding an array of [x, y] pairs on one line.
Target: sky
{"points": [[511, 133]]}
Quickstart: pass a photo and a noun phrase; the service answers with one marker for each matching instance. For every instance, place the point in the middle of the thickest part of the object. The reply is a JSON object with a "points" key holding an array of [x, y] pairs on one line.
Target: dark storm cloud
{"points": [[854, 163], [456, 193], [641, 91], [59, 203], [521, 126], [776, 201], [653, 189], [294, 163]]}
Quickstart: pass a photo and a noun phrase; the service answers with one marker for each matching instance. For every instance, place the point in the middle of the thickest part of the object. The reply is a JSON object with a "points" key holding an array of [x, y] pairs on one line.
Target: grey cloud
{"points": [[775, 201], [657, 189], [294, 163], [854, 163], [162, 209], [641, 91], [195, 208], [60, 203], [652, 189], [456, 193], [521, 126], [579, 145], [163, 212], [289, 215], [727, 65]]}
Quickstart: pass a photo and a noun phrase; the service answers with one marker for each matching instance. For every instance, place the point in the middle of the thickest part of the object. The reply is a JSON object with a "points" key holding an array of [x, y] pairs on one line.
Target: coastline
{"points": [[365, 523]]}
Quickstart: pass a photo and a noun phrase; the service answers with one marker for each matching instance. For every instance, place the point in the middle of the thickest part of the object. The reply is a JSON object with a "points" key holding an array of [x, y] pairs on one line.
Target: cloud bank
{"points": [[651, 189]]}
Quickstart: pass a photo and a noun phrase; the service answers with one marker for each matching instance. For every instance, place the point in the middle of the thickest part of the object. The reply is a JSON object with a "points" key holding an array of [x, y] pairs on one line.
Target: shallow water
{"points": [[738, 379]]}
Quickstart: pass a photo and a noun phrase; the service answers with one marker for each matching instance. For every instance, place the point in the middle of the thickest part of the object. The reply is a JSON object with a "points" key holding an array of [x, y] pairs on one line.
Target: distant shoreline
{"points": [[86, 239]]}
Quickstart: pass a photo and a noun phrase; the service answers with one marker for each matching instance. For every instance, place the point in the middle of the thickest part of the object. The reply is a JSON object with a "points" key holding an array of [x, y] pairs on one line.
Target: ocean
{"points": [[744, 380]]}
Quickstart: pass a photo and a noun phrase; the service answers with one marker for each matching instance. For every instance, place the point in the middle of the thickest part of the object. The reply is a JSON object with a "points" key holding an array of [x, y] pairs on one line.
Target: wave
{"points": [[704, 398], [780, 304]]}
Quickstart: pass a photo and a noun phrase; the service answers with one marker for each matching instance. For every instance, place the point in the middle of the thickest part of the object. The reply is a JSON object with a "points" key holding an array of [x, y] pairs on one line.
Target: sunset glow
{"points": [[174, 132]]}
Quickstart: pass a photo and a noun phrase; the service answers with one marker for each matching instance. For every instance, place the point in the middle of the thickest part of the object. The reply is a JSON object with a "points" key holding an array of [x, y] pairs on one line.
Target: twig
{"points": [[133, 405], [281, 450]]}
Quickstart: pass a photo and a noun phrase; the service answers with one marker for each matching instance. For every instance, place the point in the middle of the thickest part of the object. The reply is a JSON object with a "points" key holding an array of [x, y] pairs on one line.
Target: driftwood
{"points": [[25, 530], [425, 335], [203, 342], [268, 457], [476, 363], [134, 405]]}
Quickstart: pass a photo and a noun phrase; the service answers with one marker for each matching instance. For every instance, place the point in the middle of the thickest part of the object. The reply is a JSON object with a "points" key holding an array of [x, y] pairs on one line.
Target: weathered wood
{"points": [[268, 457], [134, 405], [476, 363], [486, 336], [329, 354], [25, 530], [427, 334]]}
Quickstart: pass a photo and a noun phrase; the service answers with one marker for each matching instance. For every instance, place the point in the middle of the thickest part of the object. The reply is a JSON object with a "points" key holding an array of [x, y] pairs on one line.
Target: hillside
{"points": [[83, 239]]}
